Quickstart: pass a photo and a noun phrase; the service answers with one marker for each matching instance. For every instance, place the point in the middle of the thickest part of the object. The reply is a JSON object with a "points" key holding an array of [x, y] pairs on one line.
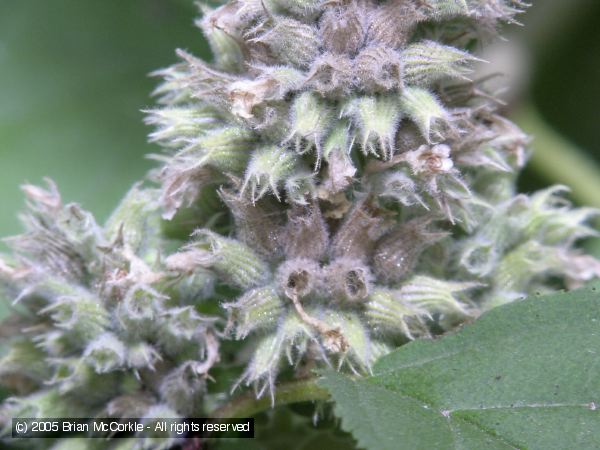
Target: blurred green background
{"points": [[74, 77]]}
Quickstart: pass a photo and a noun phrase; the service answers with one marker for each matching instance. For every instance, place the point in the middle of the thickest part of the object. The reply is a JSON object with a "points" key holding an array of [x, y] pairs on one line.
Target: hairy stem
{"points": [[247, 405]]}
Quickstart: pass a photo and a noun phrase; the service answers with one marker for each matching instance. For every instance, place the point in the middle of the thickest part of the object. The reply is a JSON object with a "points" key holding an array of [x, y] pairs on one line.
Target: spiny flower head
{"points": [[370, 181]]}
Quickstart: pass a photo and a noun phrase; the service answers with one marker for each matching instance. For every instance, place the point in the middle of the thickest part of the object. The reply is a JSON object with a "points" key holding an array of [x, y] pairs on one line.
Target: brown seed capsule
{"points": [[343, 28], [398, 253], [378, 68], [393, 23], [359, 231], [305, 235], [298, 278], [331, 74], [257, 224], [347, 280]]}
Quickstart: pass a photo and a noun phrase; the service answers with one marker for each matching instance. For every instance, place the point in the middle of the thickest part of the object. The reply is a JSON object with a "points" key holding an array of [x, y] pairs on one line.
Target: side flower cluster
{"points": [[99, 328]]}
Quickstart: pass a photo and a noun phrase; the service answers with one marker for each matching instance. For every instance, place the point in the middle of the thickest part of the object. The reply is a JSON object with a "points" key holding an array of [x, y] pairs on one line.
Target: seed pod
{"points": [[359, 231], [298, 278], [291, 41], [392, 23], [305, 235], [397, 253], [348, 281], [343, 28], [331, 75], [379, 69], [303, 9], [445, 9], [257, 225]]}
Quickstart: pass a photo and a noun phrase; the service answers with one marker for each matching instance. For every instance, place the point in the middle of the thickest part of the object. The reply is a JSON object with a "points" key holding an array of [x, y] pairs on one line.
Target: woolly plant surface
{"points": [[332, 186]]}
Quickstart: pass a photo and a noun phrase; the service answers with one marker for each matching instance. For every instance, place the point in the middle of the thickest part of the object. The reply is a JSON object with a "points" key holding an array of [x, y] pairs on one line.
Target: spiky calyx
{"points": [[348, 189]]}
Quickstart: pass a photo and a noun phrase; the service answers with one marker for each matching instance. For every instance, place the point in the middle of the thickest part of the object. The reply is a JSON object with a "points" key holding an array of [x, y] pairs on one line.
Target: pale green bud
{"points": [[184, 323], [300, 187], [360, 354], [387, 312], [550, 218], [521, 265], [23, 359], [136, 223], [437, 296], [82, 317], [225, 47], [105, 353], [428, 62], [377, 119], [310, 121], [183, 389], [426, 112], [340, 168], [142, 355], [268, 167], [176, 126], [226, 149], [139, 310], [238, 263], [256, 309], [41, 404]]}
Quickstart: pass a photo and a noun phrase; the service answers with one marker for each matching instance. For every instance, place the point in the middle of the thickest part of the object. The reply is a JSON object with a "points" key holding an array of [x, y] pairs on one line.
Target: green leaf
{"points": [[523, 376]]}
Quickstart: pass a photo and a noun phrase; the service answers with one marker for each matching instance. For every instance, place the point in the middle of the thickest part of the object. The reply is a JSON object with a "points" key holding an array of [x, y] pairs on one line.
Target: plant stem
{"points": [[559, 160], [247, 405]]}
